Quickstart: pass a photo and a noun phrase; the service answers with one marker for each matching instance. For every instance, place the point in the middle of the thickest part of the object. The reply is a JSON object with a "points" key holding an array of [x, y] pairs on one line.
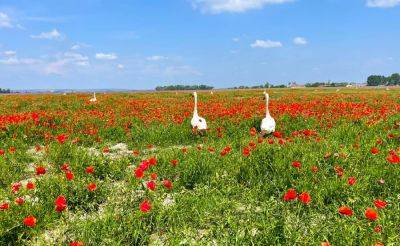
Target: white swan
{"points": [[268, 123], [93, 99], [197, 122]]}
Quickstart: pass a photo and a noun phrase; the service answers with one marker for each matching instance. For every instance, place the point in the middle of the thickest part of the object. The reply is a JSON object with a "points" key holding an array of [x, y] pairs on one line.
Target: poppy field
{"points": [[128, 169]]}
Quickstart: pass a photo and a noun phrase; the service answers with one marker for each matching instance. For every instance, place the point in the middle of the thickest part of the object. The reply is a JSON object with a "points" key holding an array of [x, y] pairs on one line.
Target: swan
{"points": [[268, 123], [197, 122], [93, 99]]}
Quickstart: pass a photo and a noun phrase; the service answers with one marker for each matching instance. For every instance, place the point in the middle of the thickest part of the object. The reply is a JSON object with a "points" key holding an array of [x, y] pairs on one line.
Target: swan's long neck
{"points": [[195, 105], [94, 95], [267, 104]]}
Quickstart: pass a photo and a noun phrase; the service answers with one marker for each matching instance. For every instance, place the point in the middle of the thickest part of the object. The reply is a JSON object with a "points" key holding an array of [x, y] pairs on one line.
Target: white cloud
{"points": [[104, 56], [382, 3], [75, 47], [9, 53], [79, 46], [77, 59], [54, 34], [232, 6], [266, 44], [5, 21], [236, 39], [120, 66], [156, 58], [64, 62], [19, 61], [300, 41]]}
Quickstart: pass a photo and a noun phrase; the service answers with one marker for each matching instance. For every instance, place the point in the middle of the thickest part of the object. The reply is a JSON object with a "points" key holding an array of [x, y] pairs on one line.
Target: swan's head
{"points": [[195, 94]]}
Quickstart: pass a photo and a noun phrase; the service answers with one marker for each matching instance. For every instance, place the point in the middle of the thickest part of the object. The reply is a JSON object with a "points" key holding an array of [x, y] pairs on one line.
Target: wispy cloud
{"points": [[9, 53], [300, 41], [18, 61], [105, 56], [52, 35], [78, 46], [232, 6], [382, 3], [5, 21], [65, 62], [266, 44], [156, 58]]}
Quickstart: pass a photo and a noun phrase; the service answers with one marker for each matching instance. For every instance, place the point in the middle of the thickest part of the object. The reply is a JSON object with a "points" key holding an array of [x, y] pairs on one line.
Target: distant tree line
{"points": [[5, 91], [376, 80], [183, 87], [326, 84], [264, 86]]}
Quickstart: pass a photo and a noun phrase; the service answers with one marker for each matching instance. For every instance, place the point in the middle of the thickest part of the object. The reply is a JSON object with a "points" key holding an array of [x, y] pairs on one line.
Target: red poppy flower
{"points": [[346, 211], [393, 158], [12, 149], [374, 150], [19, 200], [106, 150], [30, 185], [277, 134], [15, 187], [291, 194], [152, 161], [65, 167], [30, 221], [174, 162], [139, 173], [296, 164], [61, 203], [151, 185], [378, 229], [92, 187], [69, 175], [326, 243], [305, 198], [145, 206], [271, 141], [62, 138], [380, 204], [144, 165], [153, 176], [90, 170], [4, 206], [184, 149], [136, 152], [314, 169], [40, 170], [167, 184], [351, 181], [339, 171], [246, 151], [76, 244], [371, 214], [2, 152]]}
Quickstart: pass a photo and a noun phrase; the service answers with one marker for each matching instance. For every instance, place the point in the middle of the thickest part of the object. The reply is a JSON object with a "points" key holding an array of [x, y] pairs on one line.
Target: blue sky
{"points": [[139, 44]]}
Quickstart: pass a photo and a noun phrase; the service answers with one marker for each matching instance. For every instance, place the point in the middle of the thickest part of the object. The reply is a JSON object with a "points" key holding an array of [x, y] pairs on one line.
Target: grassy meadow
{"points": [[129, 169]]}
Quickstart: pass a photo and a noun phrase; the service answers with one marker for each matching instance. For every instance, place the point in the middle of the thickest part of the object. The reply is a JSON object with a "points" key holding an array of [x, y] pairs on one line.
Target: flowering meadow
{"points": [[129, 169]]}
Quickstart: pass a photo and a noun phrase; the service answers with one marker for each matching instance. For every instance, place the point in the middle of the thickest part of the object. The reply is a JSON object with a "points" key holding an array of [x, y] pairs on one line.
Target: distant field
{"points": [[129, 169]]}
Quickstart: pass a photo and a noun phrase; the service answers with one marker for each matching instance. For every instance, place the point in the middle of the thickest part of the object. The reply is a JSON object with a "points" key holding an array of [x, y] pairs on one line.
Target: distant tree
{"points": [[394, 79], [5, 91]]}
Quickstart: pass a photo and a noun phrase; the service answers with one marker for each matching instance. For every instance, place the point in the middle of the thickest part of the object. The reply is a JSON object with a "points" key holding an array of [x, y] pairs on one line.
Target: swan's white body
{"points": [[268, 123], [93, 99], [197, 122]]}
